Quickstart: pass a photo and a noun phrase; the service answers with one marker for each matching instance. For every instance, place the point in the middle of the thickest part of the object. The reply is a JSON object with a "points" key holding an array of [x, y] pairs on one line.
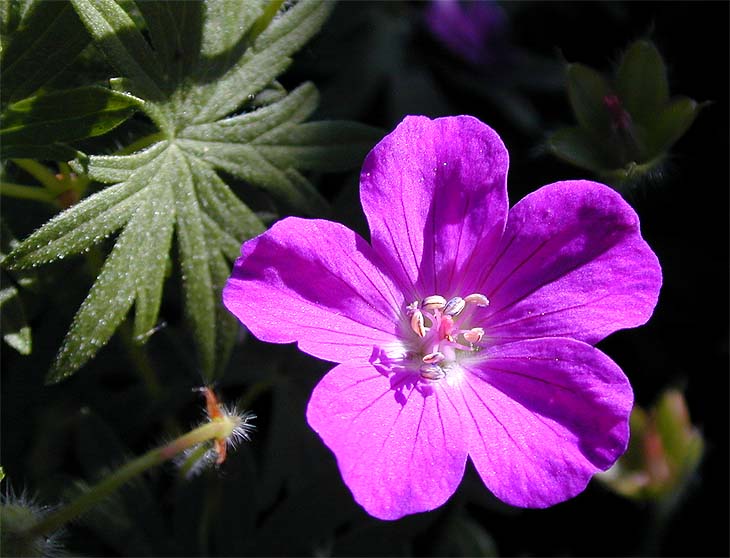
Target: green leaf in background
{"points": [[117, 36], [13, 325], [14, 328], [587, 90], [188, 81], [641, 81], [63, 116], [576, 146], [664, 452], [671, 124], [628, 122], [32, 58]]}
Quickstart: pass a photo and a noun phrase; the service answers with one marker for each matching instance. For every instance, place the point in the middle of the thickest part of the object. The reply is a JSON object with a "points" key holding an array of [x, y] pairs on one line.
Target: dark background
{"points": [[281, 494]]}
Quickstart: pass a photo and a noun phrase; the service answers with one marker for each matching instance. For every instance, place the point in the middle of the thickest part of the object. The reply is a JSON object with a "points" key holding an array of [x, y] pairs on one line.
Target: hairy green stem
{"points": [[212, 430]]}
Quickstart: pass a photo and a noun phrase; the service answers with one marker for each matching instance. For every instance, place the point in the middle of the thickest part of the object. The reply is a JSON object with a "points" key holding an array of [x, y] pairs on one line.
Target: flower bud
{"points": [[626, 122], [664, 451], [17, 516]]}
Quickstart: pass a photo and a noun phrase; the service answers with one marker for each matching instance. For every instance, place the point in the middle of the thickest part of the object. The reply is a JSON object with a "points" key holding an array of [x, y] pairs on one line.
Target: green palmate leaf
{"points": [[86, 223], [641, 81], [587, 90], [116, 35], [198, 285], [223, 209], [192, 75], [64, 116], [321, 146], [267, 58], [48, 38], [150, 271], [111, 169], [134, 259], [175, 29]]}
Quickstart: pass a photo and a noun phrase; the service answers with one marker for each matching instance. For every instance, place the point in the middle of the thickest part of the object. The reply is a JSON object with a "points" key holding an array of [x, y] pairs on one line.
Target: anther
{"points": [[474, 335], [432, 372], [434, 301], [478, 299], [412, 307], [454, 306], [434, 358], [417, 324]]}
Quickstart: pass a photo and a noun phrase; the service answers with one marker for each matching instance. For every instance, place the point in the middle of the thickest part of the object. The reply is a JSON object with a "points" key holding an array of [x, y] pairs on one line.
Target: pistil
{"points": [[436, 321]]}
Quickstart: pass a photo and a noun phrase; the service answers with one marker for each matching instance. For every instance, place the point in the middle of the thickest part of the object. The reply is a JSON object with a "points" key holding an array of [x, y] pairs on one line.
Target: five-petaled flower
{"points": [[462, 328]]}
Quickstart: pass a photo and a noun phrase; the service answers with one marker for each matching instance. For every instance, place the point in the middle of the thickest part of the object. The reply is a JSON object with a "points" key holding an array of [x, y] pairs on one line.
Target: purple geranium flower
{"points": [[460, 330], [473, 30]]}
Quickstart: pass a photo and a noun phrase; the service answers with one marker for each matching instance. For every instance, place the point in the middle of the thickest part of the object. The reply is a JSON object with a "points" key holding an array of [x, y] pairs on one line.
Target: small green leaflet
{"points": [[200, 86], [62, 116], [41, 40]]}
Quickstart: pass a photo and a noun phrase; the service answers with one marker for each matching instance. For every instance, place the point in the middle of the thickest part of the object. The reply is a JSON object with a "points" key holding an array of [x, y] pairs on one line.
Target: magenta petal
{"points": [[572, 263], [399, 445], [317, 283], [546, 415], [435, 195]]}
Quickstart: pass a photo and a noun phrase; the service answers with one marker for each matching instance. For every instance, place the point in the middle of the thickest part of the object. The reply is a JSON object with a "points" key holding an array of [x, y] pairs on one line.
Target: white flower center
{"points": [[442, 334]]}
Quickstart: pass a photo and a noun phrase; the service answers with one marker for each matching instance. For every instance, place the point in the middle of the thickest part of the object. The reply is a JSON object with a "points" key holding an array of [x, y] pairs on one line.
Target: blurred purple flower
{"points": [[472, 30], [462, 329]]}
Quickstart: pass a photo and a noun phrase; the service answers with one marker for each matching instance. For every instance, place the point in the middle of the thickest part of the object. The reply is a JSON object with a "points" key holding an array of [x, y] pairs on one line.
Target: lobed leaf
{"points": [[159, 214], [205, 61], [226, 23], [174, 29], [47, 40], [196, 277], [244, 128], [222, 205], [111, 169], [264, 61], [85, 223], [109, 299], [245, 162], [64, 116], [322, 146], [117, 36]]}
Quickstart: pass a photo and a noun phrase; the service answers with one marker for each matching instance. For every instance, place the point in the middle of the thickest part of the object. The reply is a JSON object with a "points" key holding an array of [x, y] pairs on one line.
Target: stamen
{"points": [[478, 299], [454, 306], [434, 301], [443, 326], [417, 323], [432, 372], [474, 335], [434, 358]]}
